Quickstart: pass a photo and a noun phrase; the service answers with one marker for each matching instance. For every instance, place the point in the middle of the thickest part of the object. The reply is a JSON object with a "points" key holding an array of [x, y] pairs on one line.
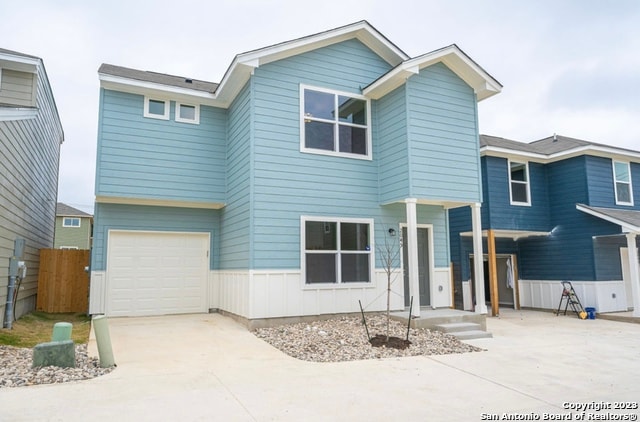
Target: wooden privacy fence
{"points": [[63, 284]]}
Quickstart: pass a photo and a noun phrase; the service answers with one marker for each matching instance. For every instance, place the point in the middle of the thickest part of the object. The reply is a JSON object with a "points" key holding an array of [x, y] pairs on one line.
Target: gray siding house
{"points": [[73, 228], [30, 138]]}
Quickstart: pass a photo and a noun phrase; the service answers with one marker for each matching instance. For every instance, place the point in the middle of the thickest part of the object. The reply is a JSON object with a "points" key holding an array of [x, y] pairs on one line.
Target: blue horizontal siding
{"points": [[133, 217], [498, 212], [390, 144], [442, 136], [140, 157], [287, 183], [599, 173], [236, 218]]}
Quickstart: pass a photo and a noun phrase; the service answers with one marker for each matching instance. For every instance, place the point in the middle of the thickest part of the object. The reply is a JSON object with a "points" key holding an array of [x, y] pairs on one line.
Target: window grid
{"points": [[519, 191], [336, 123], [70, 222], [622, 183], [340, 251]]}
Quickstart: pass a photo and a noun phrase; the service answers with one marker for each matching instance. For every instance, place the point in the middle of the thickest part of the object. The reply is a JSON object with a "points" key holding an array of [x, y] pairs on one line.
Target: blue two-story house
{"points": [[555, 209], [273, 193]]}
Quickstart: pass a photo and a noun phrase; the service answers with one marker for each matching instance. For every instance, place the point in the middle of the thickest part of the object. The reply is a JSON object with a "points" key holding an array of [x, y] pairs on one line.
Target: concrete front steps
{"points": [[464, 330], [461, 324]]}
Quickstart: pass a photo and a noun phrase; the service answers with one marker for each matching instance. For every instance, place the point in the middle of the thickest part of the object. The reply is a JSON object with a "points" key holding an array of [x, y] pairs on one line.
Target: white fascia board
{"points": [[19, 63], [390, 81], [17, 113], [244, 64], [624, 225], [608, 152], [515, 154], [482, 83], [361, 30], [135, 86]]}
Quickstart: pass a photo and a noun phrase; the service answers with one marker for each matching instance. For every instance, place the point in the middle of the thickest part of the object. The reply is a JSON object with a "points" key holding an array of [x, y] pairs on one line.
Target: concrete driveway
{"points": [[207, 367]]}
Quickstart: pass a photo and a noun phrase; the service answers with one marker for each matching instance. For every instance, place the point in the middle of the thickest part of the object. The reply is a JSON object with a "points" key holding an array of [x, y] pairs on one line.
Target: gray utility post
{"points": [[14, 270]]}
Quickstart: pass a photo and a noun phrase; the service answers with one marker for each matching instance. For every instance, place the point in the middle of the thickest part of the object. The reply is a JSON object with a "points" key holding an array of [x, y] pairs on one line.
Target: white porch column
{"points": [[478, 270], [411, 243], [633, 272]]}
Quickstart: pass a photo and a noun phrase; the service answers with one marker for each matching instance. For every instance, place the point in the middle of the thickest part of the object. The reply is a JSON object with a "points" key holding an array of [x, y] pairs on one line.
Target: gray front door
{"points": [[423, 266]]}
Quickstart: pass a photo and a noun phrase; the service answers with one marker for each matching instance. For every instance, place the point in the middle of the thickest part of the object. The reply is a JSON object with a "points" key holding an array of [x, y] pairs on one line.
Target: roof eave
{"points": [[562, 155], [136, 86], [483, 84], [632, 228]]}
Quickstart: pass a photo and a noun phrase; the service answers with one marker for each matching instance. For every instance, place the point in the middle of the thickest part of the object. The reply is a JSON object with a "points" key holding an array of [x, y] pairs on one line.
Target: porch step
{"points": [[464, 330], [455, 327], [471, 335]]}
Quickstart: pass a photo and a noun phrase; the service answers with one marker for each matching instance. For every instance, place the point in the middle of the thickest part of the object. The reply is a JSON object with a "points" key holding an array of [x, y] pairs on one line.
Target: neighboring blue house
{"points": [[269, 194], [555, 209]]}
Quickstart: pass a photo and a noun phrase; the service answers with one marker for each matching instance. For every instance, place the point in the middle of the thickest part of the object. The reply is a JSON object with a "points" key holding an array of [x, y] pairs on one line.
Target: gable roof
{"points": [[453, 57], [242, 66], [552, 148], [64, 210]]}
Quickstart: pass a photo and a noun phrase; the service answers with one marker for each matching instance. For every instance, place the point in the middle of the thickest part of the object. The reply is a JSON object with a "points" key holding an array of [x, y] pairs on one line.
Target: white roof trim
{"points": [[360, 30], [482, 83], [19, 63], [625, 226], [596, 150], [244, 64], [135, 86]]}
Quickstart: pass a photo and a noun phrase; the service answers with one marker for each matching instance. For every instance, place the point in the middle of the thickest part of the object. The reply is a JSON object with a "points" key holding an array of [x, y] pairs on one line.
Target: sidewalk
{"points": [[207, 367]]}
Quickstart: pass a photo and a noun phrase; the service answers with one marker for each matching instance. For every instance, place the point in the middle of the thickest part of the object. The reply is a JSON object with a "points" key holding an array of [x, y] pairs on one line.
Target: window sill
{"points": [[335, 154]]}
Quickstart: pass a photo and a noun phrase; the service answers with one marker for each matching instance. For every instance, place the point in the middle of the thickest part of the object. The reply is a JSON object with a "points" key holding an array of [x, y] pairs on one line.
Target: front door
{"points": [[423, 267]]}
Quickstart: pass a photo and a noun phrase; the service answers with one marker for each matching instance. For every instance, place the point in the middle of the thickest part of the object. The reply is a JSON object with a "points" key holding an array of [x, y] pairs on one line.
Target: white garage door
{"points": [[156, 273]]}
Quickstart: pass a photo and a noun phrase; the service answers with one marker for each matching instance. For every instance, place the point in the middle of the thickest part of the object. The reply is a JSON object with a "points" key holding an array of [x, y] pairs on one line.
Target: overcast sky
{"points": [[567, 67]]}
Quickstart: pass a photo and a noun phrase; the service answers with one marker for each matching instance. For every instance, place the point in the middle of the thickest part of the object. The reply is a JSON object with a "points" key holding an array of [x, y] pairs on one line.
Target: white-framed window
{"points": [[622, 183], [519, 193], [336, 250], [70, 222], [156, 108], [334, 123], [187, 113]]}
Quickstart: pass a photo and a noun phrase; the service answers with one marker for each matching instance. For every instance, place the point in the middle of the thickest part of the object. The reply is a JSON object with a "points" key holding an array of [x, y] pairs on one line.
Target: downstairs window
{"points": [[336, 251]]}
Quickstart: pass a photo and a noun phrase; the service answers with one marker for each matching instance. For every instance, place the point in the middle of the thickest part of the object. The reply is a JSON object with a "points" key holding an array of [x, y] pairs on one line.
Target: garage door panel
{"points": [[157, 273]]}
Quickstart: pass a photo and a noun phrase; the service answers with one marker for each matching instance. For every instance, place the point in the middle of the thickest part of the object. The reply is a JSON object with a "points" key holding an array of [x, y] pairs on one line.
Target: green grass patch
{"points": [[37, 327]]}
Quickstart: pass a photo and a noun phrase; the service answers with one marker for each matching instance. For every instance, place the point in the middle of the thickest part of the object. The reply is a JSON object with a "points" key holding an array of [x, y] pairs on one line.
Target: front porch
{"points": [[464, 325]]}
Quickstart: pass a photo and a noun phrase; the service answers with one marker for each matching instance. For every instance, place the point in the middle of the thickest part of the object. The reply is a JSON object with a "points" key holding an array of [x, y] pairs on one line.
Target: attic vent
{"points": [[189, 81]]}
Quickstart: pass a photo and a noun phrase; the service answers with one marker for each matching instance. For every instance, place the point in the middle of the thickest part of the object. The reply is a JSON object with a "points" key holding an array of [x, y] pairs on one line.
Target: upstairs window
{"points": [[519, 183], [622, 182], [156, 109], [336, 251], [71, 222], [187, 113], [335, 123]]}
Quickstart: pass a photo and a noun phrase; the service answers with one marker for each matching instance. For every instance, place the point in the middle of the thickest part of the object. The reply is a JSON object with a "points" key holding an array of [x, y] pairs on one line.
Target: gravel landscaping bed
{"points": [[345, 338], [16, 371]]}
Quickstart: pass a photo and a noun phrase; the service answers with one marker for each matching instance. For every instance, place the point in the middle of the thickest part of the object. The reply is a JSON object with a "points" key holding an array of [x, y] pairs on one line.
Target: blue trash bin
{"points": [[591, 313]]}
